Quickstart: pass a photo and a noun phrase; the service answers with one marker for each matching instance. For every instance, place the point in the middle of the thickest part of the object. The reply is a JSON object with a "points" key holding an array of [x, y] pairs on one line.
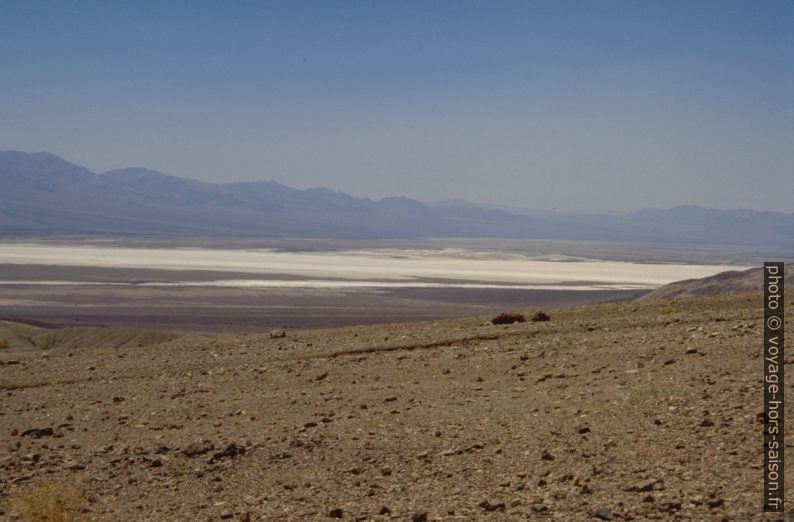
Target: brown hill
{"points": [[19, 338], [731, 282]]}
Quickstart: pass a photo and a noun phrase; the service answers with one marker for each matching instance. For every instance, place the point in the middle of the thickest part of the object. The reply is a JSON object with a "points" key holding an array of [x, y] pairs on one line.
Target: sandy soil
{"points": [[625, 411]]}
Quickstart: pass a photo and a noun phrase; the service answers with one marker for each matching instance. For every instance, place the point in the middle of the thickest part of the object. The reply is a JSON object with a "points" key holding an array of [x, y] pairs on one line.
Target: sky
{"points": [[567, 105]]}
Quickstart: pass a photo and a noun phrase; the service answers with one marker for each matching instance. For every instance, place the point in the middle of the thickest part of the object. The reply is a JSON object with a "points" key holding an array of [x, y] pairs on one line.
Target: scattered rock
{"points": [[336, 513], [488, 506], [546, 455], [715, 503], [583, 430], [38, 432], [603, 514], [231, 451], [384, 510], [652, 484], [197, 448], [277, 334], [671, 506]]}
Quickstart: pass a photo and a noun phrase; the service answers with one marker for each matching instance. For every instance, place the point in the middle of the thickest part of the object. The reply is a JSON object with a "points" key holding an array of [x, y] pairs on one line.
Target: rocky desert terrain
{"points": [[624, 411]]}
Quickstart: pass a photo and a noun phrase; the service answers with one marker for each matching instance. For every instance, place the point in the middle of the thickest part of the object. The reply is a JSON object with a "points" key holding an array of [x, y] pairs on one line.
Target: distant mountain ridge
{"points": [[42, 194]]}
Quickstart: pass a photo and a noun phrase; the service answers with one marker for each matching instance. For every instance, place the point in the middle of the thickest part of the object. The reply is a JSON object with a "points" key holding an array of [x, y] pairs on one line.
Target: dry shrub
{"points": [[3, 344], [508, 318], [48, 502]]}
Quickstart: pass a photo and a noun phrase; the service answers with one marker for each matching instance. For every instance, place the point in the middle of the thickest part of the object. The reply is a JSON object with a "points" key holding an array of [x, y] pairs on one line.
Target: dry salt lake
{"points": [[249, 289]]}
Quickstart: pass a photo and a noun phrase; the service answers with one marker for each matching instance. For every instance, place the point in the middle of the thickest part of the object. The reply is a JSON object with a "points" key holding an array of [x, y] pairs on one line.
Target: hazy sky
{"points": [[567, 105]]}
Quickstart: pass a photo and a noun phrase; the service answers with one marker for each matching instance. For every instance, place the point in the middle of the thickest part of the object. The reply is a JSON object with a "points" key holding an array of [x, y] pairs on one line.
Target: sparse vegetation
{"points": [[48, 502], [4, 344], [540, 316], [509, 318]]}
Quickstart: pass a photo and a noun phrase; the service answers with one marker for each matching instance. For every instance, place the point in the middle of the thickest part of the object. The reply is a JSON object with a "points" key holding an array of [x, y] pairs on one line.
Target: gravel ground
{"points": [[644, 410]]}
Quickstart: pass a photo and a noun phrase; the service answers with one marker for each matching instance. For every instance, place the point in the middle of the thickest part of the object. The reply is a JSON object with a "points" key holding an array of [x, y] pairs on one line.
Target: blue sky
{"points": [[567, 105]]}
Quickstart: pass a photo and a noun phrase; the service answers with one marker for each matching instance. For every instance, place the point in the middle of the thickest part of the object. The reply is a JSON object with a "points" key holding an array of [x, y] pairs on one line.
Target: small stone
{"points": [[384, 510], [419, 517], [38, 432], [583, 430], [321, 376], [707, 423], [335, 513], [585, 490], [546, 455], [231, 451], [488, 506], [603, 514], [197, 448], [277, 334], [715, 503]]}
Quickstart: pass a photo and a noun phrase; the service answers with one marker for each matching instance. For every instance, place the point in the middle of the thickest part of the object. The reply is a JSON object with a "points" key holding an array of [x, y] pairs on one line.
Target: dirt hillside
{"points": [[23, 339], [731, 282], [637, 411]]}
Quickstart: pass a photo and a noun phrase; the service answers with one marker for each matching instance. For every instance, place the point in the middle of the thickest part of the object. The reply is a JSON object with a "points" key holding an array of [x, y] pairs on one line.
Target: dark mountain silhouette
{"points": [[42, 194]]}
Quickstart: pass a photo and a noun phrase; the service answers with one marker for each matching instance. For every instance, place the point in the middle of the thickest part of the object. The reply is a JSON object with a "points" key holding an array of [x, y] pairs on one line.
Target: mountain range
{"points": [[42, 194]]}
